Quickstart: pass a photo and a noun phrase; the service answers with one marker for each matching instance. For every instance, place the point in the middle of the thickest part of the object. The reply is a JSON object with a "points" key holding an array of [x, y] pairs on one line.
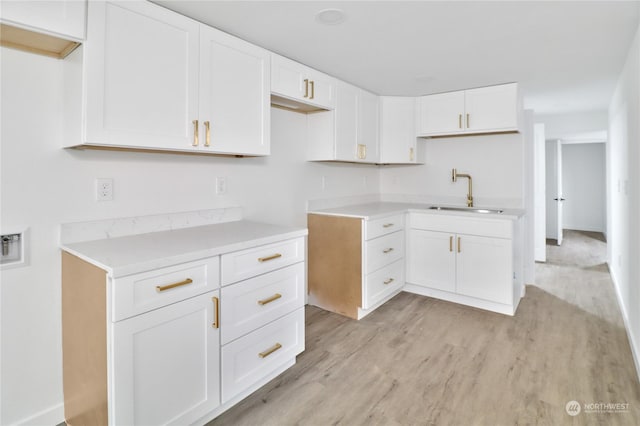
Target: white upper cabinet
{"points": [[154, 79], [61, 18], [348, 133], [234, 94], [141, 71], [397, 134], [483, 110], [297, 82]]}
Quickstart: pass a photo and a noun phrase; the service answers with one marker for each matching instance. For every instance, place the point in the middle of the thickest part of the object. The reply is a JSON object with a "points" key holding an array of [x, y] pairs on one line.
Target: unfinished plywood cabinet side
{"points": [[84, 342], [335, 268]]}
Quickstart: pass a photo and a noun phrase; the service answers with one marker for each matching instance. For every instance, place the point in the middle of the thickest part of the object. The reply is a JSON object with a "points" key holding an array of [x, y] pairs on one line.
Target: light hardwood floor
{"points": [[421, 361]]}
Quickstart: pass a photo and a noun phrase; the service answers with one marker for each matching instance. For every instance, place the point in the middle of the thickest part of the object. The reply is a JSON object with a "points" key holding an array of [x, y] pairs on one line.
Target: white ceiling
{"points": [[566, 55]]}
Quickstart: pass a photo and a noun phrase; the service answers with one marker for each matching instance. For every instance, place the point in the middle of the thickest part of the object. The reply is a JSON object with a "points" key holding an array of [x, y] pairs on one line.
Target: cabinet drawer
{"points": [[383, 282], [482, 226], [386, 225], [247, 360], [259, 260], [383, 251], [143, 292], [251, 303]]}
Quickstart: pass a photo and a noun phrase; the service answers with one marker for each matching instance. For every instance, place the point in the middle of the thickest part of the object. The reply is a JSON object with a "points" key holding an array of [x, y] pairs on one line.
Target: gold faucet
{"points": [[454, 177]]}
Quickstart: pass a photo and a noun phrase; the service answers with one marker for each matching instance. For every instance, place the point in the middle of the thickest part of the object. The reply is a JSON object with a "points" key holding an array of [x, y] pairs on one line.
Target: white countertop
{"points": [[128, 255], [383, 209]]}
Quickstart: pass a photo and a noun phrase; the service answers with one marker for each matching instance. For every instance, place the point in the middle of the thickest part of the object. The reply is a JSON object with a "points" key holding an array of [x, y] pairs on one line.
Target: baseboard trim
{"points": [[51, 416], [635, 349]]}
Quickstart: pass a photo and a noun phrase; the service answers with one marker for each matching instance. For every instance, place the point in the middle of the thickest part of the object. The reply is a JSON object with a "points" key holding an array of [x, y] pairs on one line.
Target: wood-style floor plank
{"points": [[421, 361]]}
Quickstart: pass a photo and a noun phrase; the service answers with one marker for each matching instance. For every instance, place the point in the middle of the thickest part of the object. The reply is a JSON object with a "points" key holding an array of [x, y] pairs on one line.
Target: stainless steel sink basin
{"points": [[466, 209]]}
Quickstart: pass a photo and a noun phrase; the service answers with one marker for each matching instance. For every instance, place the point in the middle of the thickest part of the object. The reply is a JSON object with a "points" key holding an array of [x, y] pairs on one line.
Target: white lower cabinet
{"points": [[465, 260], [355, 264], [171, 346], [166, 364]]}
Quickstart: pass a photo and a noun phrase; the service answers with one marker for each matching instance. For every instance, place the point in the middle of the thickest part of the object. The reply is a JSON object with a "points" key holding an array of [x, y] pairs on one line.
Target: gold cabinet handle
{"points": [[216, 315], [269, 299], [364, 152], [207, 135], [460, 121], [459, 245], [467, 121], [160, 288], [389, 250], [268, 258], [389, 281], [450, 243], [313, 89], [411, 154], [387, 225], [306, 87], [195, 132], [270, 350]]}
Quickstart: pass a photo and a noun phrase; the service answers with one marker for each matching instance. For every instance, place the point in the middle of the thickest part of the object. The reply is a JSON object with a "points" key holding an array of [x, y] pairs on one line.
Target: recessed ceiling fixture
{"points": [[331, 17]]}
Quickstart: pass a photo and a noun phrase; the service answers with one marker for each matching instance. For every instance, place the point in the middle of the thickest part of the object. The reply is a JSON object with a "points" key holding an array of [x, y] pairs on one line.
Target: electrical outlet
{"points": [[221, 185], [104, 189]]}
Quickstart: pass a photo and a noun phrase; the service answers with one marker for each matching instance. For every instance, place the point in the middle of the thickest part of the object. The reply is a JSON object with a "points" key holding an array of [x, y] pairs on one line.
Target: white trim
{"points": [[51, 416], [635, 349]]}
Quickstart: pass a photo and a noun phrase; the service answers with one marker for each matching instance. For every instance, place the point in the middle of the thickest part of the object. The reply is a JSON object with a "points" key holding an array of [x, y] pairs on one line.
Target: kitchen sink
{"points": [[466, 209]]}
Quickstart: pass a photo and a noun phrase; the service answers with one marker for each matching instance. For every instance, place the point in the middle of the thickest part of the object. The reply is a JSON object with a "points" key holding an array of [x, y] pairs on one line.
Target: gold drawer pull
{"points": [[468, 121], [459, 245], [313, 89], [389, 281], [270, 299], [268, 258], [216, 318], [160, 288], [387, 225], [306, 87], [270, 350], [460, 121], [450, 243], [389, 250]]}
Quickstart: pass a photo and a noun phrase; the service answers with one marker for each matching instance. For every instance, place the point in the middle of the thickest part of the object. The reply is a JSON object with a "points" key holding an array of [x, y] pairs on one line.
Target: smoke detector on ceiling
{"points": [[331, 17]]}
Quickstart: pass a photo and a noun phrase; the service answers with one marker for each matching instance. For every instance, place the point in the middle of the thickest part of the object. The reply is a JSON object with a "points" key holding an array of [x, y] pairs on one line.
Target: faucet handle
{"points": [[453, 175]]}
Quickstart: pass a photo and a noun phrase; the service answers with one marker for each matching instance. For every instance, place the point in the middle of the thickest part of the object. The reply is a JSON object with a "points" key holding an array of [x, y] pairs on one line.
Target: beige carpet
{"points": [[421, 361]]}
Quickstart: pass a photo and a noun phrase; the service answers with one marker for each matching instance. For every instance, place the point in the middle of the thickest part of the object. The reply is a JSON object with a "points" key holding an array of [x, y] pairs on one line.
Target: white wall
{"points": [[584, 125], [540, 191], [583, 186], [623, 182], [493, 161], [43, 186]]}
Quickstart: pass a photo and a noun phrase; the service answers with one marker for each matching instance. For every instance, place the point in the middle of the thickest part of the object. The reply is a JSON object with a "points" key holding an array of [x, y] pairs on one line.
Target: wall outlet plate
{"points": [[221, 185], [104, 189]]}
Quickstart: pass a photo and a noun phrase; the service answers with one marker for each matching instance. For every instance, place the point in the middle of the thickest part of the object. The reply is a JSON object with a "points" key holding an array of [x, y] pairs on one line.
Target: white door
{"points": [[166, 364], [141, 75], [234, 95], [431, 260], [559, 195], [440, 114], [491, 108], [484, 268]]}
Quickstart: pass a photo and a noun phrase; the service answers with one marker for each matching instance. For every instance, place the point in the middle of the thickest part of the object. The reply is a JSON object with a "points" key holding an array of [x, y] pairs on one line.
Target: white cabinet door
{"points": [[484, 268], [431, 260], [397, 130], [63, 18], [492, 108], [368, 127], [166, 364], [346, 122], [299, 82], [234, 95], [141, 76], [440, 114]]}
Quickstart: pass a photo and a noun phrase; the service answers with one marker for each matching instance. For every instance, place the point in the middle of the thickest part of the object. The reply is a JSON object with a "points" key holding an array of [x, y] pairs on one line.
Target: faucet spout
{"points": [[454, 178]]}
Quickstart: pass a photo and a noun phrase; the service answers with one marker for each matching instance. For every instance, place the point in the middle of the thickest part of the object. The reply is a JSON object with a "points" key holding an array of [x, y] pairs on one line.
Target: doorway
{"points": [[575, 187]]}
